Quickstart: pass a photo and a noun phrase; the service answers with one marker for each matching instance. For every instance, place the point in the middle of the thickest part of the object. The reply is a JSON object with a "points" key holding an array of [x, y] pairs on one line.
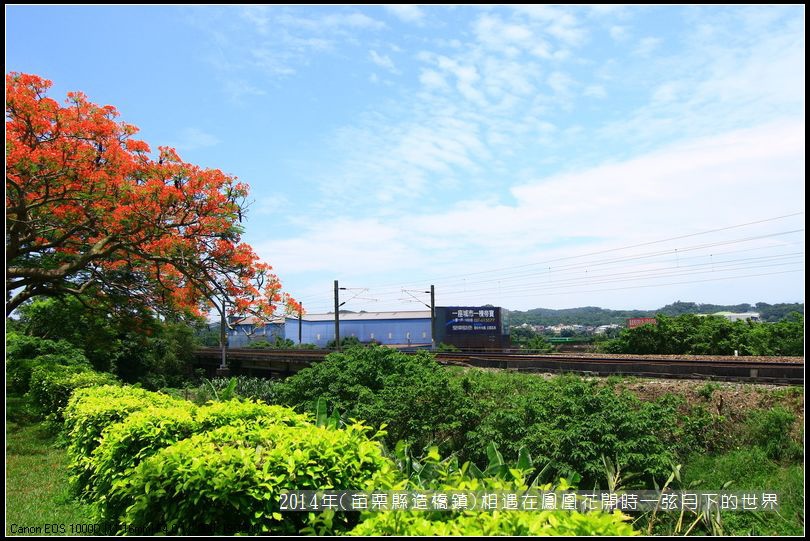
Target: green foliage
{"points": [[706, 391], [694, 335], [228, 480], [36, 476], [698, 428], [345, 342], [52, 386], [246, 387], [161, 358], [527, 338], [447, 348], [90, 411], [483, 523], [25, 353], [750, 469], [125, 444], [433, 473], [277, 343], [410, 393], [771, 430], [134, 346], [593, 316], [218, 414], [567, 421], [68, 319]]}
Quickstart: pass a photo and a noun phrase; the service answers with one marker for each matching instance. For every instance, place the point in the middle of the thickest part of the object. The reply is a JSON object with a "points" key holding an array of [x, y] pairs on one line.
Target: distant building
{"points": [[602, 329], [410, 328], [731, 316]]}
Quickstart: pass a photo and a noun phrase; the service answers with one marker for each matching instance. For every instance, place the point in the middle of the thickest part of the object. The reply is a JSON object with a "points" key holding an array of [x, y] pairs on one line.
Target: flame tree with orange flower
{"points": [[90, 213]]}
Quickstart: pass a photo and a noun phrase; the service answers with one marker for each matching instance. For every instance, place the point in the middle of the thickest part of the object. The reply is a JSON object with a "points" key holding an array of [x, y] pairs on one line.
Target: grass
{"points": [[750, 469], [37, 497]]}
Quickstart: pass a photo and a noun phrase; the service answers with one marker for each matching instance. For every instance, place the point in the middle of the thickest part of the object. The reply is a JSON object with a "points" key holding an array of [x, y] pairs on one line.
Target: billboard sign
{"points": [[467, 320], [639, 321]]}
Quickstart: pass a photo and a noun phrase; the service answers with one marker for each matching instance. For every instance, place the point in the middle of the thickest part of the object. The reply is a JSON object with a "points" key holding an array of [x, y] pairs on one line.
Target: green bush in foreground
{"points": [[771, 430], [126, 444], [410, 394], [52, 386], [93, 409], [228, 480], [434, 474], [482, 523]]}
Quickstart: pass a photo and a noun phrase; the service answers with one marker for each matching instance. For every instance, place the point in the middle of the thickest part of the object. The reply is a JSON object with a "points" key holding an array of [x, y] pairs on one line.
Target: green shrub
{"points": [[219, 414], [706, 391], [771, 430], [483, 523], [25, 353], [750, 469], [246, 387], [569, 422], [712, 335], [52, 386], [445, 475], [90, 411], [126, 444], [411, 394], [228, 480]]}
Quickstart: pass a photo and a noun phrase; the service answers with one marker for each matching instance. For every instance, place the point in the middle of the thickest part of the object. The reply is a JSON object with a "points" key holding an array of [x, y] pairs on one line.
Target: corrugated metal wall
{"points": [[385, 331]]}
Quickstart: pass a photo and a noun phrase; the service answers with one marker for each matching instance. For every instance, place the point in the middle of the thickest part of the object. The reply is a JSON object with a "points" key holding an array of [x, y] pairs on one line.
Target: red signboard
{"points": [[639, 321]]}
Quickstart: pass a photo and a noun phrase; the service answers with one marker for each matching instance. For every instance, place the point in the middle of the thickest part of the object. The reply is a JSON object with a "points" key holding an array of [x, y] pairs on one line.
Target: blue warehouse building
{"points": [[389, 328], [404, 328], [245, 332]]}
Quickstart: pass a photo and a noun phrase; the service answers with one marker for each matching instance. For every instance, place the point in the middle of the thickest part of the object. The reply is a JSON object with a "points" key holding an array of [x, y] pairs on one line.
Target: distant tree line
{"points": [[594, 316], [689, 334]]}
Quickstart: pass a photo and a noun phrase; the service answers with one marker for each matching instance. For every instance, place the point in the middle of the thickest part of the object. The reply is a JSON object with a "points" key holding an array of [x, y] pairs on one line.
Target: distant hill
{"points": [[591, 315]]}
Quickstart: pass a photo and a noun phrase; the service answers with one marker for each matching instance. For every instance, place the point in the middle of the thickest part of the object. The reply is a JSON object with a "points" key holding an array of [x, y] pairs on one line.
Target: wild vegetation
{"points": [[696, 335], [591, 315]]}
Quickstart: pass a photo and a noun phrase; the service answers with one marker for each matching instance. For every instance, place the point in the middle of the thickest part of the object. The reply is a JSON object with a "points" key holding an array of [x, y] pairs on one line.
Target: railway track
{"points": [[773, 370]]}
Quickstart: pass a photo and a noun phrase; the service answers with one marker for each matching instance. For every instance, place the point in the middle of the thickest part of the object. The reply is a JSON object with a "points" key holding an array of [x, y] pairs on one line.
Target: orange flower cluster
{"points": [[90, 212]]}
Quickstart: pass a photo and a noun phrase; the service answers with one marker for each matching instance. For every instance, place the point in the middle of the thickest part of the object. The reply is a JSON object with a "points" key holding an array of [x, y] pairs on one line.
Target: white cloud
{"points": [[384, 61], [195, 138], [619, 33], [559, 22], [559, 82], [409, 13], [595, 91], [432, 79], [733, 178], [237, 90], [647, 46], [270, 205]]}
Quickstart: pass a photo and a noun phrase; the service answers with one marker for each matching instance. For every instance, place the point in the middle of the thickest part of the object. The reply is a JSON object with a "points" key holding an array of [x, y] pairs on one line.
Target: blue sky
{"points": [[534, 156]]}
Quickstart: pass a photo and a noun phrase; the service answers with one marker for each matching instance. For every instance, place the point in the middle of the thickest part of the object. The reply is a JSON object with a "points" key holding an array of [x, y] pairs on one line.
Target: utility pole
{"points": [[337, 318], [432, 317], [300, 315], [223, 341]]}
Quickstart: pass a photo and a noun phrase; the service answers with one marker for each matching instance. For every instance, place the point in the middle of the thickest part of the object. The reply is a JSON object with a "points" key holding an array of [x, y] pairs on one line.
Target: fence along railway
{"points": [[772, 370]]}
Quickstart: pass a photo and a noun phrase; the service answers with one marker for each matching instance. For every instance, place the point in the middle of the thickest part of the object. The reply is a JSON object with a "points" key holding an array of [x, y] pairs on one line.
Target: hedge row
{"points": [[228, 481], [151, 463], [24, 354], [126, 444], [155, 463], [52, 386]]}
